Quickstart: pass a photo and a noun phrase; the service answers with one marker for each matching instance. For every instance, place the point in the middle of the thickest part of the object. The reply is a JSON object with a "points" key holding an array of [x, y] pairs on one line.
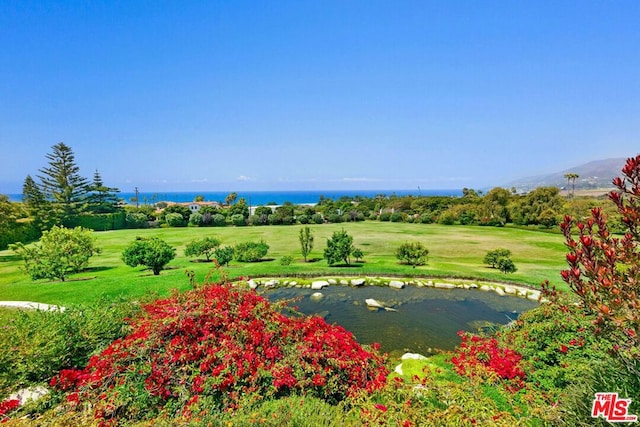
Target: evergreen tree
{"points": [[101, 199], [62, 184], [37, 206]]}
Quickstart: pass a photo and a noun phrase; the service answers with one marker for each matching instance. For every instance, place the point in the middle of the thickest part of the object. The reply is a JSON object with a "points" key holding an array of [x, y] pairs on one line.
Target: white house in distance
{"points": [[196, 206]]}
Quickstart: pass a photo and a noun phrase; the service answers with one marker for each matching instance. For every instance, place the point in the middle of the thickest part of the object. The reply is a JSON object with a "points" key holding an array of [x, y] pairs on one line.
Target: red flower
{"points": [[380, 407]]}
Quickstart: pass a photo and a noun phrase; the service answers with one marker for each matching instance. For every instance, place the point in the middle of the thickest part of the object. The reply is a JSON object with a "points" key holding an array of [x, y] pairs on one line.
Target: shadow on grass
{"points": [[10, 258], [94, 269]]}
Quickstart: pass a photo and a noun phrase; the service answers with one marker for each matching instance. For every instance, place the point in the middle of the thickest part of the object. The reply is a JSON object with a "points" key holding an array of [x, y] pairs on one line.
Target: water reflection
{"points": [[426, 319]]}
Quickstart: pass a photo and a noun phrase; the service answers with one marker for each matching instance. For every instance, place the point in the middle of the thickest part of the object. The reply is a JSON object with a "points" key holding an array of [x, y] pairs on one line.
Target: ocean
{"points": [[258, 198]]}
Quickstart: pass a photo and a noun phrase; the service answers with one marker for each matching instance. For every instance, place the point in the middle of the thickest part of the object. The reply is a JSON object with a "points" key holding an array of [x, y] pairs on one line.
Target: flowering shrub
{"points": [[218, 348], [7, 406], [478, 356]]}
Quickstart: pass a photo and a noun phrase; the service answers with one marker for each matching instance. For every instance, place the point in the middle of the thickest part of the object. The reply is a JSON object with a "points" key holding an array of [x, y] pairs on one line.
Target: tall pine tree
{"points": [[62, 184], [37, 206], [101, 199]]}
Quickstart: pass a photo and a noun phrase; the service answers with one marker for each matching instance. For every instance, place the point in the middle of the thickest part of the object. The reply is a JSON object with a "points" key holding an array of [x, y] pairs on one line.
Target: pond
{"points": [[426, 318]]}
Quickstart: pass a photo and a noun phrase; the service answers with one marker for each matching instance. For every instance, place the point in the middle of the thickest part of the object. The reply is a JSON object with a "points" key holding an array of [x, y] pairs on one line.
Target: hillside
{"points": [[595, 174]]}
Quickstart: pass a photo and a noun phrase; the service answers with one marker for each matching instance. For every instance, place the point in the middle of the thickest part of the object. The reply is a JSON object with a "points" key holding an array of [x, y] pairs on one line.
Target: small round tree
{"points": [[493, 257], [206, 247], [153, 253], [506, 265], [61, 252], [223, 255], [412, 253], [339, 248]]}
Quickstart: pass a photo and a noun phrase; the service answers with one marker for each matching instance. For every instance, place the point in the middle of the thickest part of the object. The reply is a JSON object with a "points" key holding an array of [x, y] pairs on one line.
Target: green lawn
{"points": [[454, 251]]}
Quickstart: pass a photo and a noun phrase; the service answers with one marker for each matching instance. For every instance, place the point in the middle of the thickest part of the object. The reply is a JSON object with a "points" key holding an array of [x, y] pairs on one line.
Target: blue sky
{"points": [[294, 95]]}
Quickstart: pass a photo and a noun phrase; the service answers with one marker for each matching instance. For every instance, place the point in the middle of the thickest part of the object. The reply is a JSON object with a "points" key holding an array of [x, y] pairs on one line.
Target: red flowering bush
{"points": [[478, 356], [218, 348], [8, 406]]}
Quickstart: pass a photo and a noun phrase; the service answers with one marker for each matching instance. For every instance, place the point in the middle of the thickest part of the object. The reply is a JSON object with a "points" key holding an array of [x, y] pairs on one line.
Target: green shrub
{"points": [[250, 251], [317, 218], [19, 232], [384, 216], [206, 247], [286, 260], [223, 255], [195, 219], [153, 253], [35, 345], [61, 252], [174, 219], [218, 220], [238, 220], [334, 218], [396, 217], [274, 219], [412, 253], [102, 222], [426, 218], [303, 219], [136, 220]]}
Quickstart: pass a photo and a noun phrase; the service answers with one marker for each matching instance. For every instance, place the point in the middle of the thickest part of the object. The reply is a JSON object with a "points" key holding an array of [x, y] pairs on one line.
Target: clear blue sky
{"points": [[286, 95]]}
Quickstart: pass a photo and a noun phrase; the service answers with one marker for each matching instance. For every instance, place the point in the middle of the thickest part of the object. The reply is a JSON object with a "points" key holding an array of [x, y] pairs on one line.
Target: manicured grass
{"points": [[455, 251]]}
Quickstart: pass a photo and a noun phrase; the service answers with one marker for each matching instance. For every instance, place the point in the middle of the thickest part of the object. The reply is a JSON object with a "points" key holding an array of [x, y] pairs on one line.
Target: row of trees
{"points": [[65, 251], [543, 207]]}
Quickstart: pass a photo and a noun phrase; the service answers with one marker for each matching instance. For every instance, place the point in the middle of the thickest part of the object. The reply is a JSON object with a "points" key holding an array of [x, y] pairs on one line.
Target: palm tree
{"points": [[572, 177]]}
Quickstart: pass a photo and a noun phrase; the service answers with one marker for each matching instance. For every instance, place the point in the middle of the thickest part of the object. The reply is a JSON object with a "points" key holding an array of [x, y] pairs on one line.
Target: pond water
{"points": [[426, 318]]}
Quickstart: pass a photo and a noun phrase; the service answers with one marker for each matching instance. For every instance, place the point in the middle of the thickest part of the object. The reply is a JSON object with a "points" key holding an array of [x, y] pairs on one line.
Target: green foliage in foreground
{"points": [[35, 345]]}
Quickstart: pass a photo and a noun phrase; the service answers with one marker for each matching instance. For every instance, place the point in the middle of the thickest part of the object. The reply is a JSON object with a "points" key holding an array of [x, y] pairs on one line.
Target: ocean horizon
{"points": [[258, 198]]}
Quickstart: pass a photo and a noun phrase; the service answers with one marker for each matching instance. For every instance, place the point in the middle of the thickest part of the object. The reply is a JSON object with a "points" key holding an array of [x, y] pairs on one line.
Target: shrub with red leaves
{"points": [[478, 356], [8, 406], [604, 269], [217, 348]]}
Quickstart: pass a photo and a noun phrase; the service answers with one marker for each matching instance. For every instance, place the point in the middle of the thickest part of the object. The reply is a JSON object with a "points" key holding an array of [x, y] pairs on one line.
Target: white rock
{"points": [[398, 370], [444, 286], [499, 291], [271, 283], [534, 295], [27, 394], [293, 283], [317, 296], [377, 304], [252, 284], [473, 286], [332, 281], [31, 305], [510, 290], [319, 284], [486, 288], [396, 284], [357, 282]]}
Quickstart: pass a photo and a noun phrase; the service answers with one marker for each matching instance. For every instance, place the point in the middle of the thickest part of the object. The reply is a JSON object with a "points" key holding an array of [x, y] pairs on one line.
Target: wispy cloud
{"points": [[244, 178]]}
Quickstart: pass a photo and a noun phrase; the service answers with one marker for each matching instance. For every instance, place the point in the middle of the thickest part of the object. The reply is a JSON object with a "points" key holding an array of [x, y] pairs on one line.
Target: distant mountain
{"points": [[596, 174]]}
